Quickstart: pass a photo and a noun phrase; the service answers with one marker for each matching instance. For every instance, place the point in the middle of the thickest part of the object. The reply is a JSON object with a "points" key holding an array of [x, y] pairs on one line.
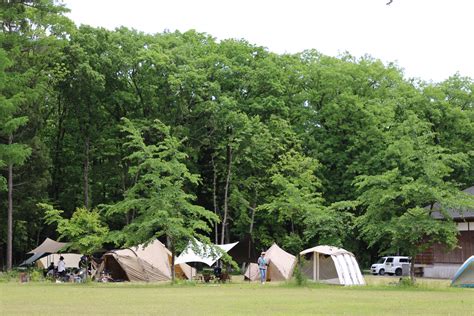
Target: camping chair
{"points": [[224, 277]]}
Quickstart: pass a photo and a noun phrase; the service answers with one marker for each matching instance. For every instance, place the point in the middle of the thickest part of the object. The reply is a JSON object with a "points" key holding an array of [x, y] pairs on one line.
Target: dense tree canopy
{"points": [[176, 135]]}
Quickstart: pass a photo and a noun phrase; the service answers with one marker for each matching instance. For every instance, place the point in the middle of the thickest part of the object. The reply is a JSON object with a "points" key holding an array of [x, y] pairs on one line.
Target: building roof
{"points": [[455, 214]]}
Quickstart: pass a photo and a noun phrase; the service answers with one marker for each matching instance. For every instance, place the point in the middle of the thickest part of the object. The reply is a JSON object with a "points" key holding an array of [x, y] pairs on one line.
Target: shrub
{"points": [[300, 278]]}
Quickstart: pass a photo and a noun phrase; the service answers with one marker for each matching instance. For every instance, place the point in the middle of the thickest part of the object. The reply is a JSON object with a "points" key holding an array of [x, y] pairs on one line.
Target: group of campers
{"points": [[66, 273], [153, 262]]}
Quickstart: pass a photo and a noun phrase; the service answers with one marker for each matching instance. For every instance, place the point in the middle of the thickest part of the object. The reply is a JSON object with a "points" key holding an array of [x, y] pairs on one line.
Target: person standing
{"points": [[61, 267], [262, 266]]}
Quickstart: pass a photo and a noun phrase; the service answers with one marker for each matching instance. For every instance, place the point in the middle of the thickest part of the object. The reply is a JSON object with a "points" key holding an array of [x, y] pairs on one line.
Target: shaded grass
{"points": [[431, 297]]}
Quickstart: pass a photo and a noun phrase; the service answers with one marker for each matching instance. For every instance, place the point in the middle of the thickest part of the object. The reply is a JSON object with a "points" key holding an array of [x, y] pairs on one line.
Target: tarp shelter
{"points": [[199, 252], [464, 277], [48, 246], [71, 260], [280, 265], [150, 263], [33, 259], [244, 251], [332, 265]]}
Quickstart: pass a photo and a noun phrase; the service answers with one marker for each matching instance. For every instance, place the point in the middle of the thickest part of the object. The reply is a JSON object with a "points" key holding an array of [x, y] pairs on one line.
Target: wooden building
{"points": [[436, 262]]}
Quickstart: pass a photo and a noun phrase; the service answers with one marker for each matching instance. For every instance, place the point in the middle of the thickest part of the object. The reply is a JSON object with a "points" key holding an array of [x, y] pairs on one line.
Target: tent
{"points": [[207, 254], [332, 265], [244, 251], [48, 246], [70, 259], [142, 263], [464, 277], [280, 265]]}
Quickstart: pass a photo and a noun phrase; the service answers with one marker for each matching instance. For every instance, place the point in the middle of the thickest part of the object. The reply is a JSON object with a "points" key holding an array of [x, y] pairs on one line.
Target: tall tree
{"points": [[398, 201], [158, 197], [31, 35], [11, 153]]}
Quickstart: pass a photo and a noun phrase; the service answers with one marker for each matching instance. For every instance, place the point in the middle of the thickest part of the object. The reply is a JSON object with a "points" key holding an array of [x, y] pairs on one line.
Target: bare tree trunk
{"points": [[86, 174], [57, 151], [252, 217], [214, 199], [226, 192], [10, 213], [173, 252]]}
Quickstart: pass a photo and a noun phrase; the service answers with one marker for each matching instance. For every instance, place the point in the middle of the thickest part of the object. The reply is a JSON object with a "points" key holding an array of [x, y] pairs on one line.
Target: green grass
{"points": [[380, 297]]}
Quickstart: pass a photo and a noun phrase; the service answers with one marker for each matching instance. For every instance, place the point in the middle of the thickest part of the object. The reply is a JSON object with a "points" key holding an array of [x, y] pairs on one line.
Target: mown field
{"points": [[380, 297]]}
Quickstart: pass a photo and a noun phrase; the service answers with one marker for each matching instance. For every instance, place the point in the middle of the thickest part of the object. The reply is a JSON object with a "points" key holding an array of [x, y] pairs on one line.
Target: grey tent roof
{"points": [[455, 214], [48, 246]]}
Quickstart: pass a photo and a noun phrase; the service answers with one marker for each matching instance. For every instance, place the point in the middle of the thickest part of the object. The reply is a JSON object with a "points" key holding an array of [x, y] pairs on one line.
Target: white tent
{"points": [[71, 260], [199, 252], [332, 265], [464, 277], [280, 265]]}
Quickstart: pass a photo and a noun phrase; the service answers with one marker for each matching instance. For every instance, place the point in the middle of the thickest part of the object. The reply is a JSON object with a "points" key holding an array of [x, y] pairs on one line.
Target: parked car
{"points": [[390, 265]]}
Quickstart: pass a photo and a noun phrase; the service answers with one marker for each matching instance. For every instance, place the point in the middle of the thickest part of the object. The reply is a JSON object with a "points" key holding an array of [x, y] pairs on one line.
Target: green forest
{"points": [[113, 138]]}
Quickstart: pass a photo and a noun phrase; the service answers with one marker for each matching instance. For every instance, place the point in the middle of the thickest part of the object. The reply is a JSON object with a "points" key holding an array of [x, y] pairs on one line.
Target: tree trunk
{"points": [[173, 251], [57, 165], [10, 213], [412, 270], [86, 174], [252, 217], [214, 199], [226, 192]]}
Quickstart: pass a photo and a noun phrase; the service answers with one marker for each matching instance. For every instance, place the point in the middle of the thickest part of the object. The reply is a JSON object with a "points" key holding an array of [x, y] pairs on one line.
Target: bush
{"points": [[36, 275], [9, 275], [300, 278], [406, 282]]}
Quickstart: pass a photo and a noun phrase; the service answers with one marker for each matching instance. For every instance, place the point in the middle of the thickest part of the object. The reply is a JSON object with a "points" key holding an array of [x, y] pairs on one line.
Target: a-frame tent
{"points": [[280, 265]]}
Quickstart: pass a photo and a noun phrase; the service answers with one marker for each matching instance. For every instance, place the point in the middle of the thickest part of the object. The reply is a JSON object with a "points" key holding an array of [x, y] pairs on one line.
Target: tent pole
{"points": [[314, 266], [250, 272], [317, 275]]}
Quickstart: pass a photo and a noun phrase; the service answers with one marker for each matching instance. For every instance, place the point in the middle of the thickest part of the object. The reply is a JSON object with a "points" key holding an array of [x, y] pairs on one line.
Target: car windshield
{"points": [[381, 260]]}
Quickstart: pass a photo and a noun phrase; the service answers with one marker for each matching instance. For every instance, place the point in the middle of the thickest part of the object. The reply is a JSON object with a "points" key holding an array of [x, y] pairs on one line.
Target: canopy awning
{"points": [[207, 254], [49, 246], [327, 250]]}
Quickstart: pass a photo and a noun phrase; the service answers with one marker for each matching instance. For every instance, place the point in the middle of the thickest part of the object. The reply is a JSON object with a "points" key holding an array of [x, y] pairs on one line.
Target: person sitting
{"points": [[217, 272], [50, 270]]}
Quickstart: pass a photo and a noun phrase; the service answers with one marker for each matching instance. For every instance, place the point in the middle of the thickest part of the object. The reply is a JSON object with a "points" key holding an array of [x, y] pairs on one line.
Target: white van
{"points": [[390, 265]]}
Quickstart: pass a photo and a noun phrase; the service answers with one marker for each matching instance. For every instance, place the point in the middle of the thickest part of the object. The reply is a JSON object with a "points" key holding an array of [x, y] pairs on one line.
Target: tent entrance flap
{"points": [[114, 269]]}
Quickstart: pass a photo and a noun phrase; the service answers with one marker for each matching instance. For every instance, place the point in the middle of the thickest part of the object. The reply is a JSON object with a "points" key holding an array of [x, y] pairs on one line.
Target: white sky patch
{"points": [[429, 39]]}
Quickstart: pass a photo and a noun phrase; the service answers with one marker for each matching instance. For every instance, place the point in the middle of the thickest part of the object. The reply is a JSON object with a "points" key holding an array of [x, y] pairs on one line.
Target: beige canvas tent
{"points": [[148, 264], [280, 267], [332, 265]]}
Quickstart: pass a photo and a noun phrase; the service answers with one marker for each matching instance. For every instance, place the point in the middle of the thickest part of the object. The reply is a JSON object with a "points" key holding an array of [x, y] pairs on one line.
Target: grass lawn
{"points": [[237, 298]]}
